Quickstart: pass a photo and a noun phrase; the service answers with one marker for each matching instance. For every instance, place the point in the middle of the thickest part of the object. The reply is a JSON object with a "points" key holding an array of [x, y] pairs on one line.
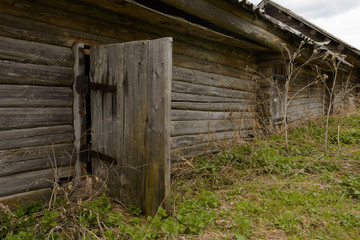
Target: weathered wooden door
{"points": [[130, 118]]}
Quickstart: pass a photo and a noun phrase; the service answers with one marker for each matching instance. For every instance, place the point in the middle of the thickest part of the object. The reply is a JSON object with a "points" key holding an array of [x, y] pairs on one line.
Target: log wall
{"points": [[36, 132]]}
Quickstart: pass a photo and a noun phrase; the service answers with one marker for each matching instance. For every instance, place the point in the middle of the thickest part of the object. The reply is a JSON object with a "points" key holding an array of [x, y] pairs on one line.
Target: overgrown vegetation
{"points": [[258, 190]]}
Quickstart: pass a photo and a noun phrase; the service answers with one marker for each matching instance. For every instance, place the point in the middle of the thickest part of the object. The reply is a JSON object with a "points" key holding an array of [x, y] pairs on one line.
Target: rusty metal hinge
{"points": [[102, 87], [86, 154]]}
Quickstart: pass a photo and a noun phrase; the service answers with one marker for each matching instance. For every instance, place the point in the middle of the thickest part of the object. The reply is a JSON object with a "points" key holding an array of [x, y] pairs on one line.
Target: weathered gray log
{"points": [[23, 73], [229, 107], [23, 199], [183, 87], [215, 80], [203, 149], [32, 137], [216, 15], [179, 128], [182, 115], [37, 158], [188, 97], [141, 72], [210, 138], [190, 62], [25, 28], [11, 118], [23, 182], [35, 96], [36, 53]]}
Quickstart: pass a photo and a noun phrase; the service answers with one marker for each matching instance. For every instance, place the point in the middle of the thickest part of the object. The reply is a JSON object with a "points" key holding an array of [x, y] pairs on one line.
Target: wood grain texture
{"points": [[79, 109], [23, 199], [133, 125], [210, 138], [226, 107], [24, 73], [205, 10], [183, 87], [14, 118], [35, 53], [24, 182], [32, 30], [179, 128], [35, 158], [35, 96], [216, 80], [181, 115], [32, 137]]}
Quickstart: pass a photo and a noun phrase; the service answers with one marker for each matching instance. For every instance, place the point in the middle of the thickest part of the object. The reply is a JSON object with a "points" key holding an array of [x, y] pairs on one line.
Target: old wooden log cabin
{"points": [[64, 91]]}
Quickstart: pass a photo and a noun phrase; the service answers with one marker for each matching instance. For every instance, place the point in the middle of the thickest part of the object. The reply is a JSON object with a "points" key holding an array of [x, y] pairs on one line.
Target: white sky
{"points": [[341, 18]]}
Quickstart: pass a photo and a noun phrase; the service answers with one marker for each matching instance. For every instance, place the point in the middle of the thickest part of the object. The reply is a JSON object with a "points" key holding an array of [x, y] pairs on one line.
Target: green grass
{"points": [[258, 190]]}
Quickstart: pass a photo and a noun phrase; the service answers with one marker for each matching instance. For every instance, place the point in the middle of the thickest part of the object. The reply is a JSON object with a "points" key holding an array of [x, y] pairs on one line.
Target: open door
{"points": [[130, 91]]}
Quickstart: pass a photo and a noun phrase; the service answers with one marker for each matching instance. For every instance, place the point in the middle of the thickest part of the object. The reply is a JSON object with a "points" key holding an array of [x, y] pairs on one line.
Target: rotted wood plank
{"points": [[184, 87], [24, 182], [12, 118], [30, 159], [216, 80], [35, 96], [179, 128], [210, 138], [32, 137], [205, 148], [35, 53], [23, 73]]}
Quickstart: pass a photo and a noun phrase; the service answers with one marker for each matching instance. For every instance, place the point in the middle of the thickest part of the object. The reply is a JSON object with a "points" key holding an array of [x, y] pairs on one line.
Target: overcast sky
{"points": [[341, 18]]}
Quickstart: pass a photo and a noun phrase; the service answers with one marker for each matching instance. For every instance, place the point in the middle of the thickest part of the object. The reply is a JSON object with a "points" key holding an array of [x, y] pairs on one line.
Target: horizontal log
{"points": [[35, 96], [203, 149], [183, 115], [229, 107], [188, 97], [35, 53], [216, 80], [32, 137], [179, 128], [189, 62], [218, 16], [23, 73], [184, 87], [25, 28], [12, 118], [23, 199], [212, 138], [31, 159], [24, 182]]}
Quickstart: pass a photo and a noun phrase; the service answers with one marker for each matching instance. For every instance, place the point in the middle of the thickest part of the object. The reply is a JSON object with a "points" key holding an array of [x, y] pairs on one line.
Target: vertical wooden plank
{"points": [[115, 141], [134, 122], [98, 72], [79, 70], [157, 178], [134, 125]]}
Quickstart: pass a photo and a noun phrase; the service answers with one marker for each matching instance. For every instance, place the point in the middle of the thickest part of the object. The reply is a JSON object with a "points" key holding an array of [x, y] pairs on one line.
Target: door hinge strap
{"points": [[102, 87]]}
